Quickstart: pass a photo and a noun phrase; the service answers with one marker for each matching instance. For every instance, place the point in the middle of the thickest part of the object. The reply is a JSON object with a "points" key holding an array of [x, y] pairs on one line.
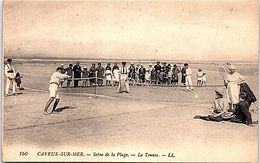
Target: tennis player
{"points": [[56, 78]]}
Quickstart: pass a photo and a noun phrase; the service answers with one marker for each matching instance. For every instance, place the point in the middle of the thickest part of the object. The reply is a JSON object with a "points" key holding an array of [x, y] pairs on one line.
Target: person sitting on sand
{"points": [[242, 112], [219, 107]]}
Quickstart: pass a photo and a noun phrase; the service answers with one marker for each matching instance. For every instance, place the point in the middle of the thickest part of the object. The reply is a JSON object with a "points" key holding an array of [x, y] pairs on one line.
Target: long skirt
{"points": [[250, 95]]}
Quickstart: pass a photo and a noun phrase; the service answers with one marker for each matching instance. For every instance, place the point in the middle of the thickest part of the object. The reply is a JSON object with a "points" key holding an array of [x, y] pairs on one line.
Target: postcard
{"points": [[130, 81]]}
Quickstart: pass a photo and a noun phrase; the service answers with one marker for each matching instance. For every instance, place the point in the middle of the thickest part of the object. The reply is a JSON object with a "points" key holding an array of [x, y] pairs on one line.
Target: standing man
{"points": [[77, 73], [142, 72], [100, 74], [56, 78], [92, 74], [188, 77], [10, 74], [123, 79], [63, 71], [157, 69], [69, 71], [131, 74]]}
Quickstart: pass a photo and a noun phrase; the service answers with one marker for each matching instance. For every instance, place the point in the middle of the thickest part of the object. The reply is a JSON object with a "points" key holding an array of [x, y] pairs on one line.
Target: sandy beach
{"points": [[156, 120]]}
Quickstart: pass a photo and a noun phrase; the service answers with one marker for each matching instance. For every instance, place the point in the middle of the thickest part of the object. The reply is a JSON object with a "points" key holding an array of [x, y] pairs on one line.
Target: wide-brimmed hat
{"points": [[219, 91], [84, 67], [231, 67]]}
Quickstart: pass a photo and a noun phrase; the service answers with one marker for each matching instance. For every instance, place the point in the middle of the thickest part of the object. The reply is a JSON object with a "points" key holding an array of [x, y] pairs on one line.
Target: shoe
{"points": [[21, 88]]}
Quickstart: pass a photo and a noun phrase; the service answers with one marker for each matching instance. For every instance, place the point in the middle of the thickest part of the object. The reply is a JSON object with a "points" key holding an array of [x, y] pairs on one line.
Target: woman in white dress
{"points": [[116, 76], [233, 82], [108, 74]]}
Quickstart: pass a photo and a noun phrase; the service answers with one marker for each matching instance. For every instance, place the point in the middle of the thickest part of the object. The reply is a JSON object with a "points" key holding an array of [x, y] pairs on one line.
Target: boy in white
{"points": [[56, 78], [10, 74], [188, 77]]}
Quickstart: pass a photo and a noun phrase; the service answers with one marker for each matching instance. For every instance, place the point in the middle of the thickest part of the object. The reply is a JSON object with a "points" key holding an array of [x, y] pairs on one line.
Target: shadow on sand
{"points": [[60, 109]]}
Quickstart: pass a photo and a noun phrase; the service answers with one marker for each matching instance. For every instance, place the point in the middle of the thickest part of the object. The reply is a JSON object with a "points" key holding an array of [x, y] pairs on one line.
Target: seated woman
{"points": [[220, 106]]}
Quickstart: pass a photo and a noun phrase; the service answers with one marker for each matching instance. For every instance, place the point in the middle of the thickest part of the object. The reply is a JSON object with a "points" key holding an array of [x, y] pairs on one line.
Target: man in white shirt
{"points": [[123, 78], [10, 74], [188, 77], [56, 78]]}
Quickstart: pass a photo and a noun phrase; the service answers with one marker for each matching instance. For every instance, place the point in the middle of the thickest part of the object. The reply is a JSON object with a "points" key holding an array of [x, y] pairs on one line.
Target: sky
{"points": [[165, 30]]}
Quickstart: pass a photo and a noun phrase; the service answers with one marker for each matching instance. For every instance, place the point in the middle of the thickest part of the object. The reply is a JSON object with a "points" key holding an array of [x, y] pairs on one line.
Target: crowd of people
{"points": [[137, 74], [231, 104]]}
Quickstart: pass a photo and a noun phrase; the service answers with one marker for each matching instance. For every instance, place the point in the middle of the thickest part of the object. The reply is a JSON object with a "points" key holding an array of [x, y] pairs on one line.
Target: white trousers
{"points": [[189, 83], [8, 83], [123, 83]]}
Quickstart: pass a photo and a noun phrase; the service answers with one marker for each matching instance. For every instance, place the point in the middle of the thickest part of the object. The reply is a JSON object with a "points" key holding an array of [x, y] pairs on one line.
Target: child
{"points": [[242, 111], [18, 80], [199, 77], [85, 74], [203, 83]]}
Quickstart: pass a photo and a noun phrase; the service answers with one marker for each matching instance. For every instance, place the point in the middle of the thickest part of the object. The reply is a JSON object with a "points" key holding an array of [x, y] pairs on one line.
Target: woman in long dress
{"points": [[233, 82], [108, 74], [116, 76]]}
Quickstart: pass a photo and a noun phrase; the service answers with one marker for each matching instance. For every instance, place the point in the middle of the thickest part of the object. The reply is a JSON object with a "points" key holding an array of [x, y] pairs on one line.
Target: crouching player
{"points": [[56, 78]]}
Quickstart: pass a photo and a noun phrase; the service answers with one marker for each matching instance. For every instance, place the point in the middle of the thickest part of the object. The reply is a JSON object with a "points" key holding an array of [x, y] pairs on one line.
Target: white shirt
{"points": [[188, 71], [123, 70], [9, 67], [56, 77]]}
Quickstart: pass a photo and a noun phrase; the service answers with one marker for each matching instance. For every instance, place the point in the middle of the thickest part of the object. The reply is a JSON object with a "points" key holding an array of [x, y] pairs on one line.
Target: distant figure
{"points": [[85, 74], [142, 72], [115, 72], [63, 71], [69, 71], [199, 77], [108, 75], [77, 73], [157, 69], [131, 74], [148, 74], [175, 72], [10, 75], [123, 84], [188, 77], [18, 80], [92, 74], [204, 79], [183, 77], [169, 75], [100, 74], [56, 77]]}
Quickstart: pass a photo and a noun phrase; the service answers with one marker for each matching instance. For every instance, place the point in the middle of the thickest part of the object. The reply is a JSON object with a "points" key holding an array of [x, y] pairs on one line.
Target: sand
{"points": [[157, 120]]}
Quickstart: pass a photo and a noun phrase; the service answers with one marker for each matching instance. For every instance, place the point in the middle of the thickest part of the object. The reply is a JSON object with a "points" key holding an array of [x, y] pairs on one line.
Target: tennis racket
{"points": [[222, 72]]}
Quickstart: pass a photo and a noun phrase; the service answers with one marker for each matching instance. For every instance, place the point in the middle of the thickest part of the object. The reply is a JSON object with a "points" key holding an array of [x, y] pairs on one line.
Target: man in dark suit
{"points": [[77, 73]]}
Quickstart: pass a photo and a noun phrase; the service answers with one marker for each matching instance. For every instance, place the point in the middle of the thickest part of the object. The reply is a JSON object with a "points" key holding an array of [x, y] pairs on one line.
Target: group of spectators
{"points": [[160, 73]]}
